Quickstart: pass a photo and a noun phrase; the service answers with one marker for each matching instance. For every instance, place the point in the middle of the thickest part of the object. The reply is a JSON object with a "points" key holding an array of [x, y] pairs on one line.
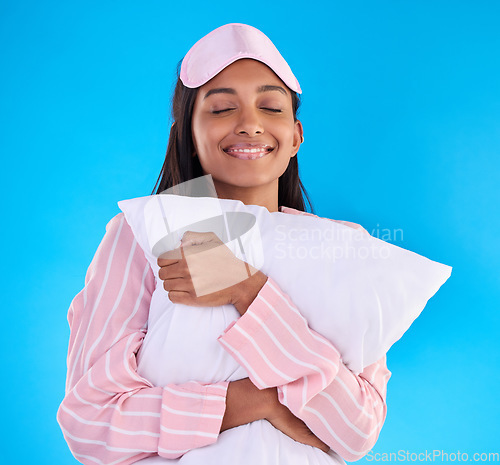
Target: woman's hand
{"points": [[246, 403], [282, 419], [204, 272]]}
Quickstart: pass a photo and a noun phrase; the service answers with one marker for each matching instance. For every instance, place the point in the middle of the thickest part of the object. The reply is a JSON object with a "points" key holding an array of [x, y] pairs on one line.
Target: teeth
{"points": [[248, 154], [247, 150]]}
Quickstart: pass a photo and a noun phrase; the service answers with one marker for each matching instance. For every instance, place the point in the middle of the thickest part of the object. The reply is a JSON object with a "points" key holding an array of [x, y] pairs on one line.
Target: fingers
{"points": [[189, 238], [171, 257], [176, 279], [197, 272], [178, 284], [197, 238], [179, 297], [284, 420], [177, 269]]}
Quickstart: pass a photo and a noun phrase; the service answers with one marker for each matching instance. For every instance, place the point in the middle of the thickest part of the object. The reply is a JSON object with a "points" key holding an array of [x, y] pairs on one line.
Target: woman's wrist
{"points": [[246, 291], [246, 403]]}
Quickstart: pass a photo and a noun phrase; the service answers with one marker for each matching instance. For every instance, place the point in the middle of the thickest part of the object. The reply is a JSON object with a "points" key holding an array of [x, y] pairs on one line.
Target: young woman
{"points": [[235, 118]]}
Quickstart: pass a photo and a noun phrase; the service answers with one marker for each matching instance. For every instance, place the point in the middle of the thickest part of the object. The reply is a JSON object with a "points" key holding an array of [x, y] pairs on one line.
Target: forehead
{"points": [[242, 73]]}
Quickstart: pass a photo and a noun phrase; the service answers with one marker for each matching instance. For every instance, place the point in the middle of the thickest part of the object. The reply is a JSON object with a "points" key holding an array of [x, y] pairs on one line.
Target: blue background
{"points": [[401, 109]]}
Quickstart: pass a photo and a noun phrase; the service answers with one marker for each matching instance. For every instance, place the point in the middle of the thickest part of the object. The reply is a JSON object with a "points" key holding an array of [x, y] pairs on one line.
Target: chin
{"points": [[244, 181]]}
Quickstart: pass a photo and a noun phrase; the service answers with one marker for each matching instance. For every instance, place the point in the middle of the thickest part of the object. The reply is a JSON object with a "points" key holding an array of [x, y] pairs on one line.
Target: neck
{"points": [[265, 196]]}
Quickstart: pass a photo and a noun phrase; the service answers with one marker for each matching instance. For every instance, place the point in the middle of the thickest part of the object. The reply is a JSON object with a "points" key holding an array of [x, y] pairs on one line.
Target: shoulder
{"points": [[118, 231], [350, 224], [119, 223], [114, 223]]}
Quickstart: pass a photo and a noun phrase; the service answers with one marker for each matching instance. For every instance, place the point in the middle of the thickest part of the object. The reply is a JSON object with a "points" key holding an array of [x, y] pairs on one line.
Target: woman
{"points": [[235, 118]]}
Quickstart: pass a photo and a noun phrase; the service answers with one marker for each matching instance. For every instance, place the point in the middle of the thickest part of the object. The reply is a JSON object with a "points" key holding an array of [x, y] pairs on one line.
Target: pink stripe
{"points": [[110, 414], [137, 420], [347, 412], [270, 336]]}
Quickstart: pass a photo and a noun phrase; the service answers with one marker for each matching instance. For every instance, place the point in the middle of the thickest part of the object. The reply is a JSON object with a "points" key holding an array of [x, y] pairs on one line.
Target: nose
{"points": [[249, 123]]}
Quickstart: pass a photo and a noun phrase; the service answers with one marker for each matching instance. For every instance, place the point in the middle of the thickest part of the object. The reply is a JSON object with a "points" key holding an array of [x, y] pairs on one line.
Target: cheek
{"points": [[201, 133], [284, 131], [207, 139]]}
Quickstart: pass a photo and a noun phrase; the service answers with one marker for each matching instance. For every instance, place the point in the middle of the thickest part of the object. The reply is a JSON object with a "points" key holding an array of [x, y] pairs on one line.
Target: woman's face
{"points": [[243, 128]]}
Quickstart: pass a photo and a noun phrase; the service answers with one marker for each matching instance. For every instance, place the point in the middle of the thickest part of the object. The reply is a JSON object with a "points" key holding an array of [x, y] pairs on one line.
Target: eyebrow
{"points": [[229, 90], [270, 88]]}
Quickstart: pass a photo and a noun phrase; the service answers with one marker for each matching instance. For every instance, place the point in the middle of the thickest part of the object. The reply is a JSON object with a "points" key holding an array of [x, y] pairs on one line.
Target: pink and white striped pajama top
{"points": [[112, 415]]}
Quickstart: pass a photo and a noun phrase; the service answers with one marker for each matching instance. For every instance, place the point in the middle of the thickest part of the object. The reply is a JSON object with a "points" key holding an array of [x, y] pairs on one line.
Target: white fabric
{"points": [[256, 443], [358, 291]]}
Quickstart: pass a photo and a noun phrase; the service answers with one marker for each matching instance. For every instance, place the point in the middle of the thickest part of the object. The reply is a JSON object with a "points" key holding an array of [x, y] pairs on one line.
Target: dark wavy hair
{"points": [[180, 166]]}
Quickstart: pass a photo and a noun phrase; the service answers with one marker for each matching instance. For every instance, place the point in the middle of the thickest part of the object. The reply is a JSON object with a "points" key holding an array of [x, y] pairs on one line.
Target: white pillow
{"points": [[358, 291]]}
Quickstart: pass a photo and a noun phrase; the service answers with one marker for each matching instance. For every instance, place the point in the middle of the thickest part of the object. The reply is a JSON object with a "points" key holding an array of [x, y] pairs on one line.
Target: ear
{"points": [[298, 137]]}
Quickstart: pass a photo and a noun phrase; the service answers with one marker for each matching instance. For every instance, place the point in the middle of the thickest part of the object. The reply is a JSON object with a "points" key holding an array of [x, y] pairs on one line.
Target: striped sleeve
{"points": [[110, 414], [274, 343]]}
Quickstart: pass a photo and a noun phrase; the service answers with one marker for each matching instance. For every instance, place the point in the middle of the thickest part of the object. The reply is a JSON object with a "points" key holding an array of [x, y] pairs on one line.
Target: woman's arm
{"points": [[109, 413], [205, 251], [274, 343]]}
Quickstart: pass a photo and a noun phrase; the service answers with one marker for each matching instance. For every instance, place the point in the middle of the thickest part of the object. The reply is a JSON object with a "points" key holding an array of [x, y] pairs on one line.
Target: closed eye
{"points": [[216, 112], [274, 110]]}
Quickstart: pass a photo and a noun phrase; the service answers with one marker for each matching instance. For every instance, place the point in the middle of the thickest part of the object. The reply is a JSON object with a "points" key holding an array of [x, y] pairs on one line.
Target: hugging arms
{"points": [[111, 413]]}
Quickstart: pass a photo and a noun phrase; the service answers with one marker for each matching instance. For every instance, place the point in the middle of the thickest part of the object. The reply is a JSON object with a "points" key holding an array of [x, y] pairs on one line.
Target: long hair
{"points": [[180, 166]]}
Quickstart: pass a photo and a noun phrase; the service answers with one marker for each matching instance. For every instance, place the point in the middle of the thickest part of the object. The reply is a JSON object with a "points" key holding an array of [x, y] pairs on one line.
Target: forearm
{"points": [[110, 413], [273, 342], [348, 414], [246, 403], [246, 291]]}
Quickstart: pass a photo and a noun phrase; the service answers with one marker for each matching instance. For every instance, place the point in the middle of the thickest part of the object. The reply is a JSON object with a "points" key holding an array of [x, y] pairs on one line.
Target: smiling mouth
{"points": [[248, 153]]}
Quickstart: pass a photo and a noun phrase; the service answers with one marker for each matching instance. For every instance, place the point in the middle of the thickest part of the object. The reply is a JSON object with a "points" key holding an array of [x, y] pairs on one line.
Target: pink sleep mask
{"points": [[226, 44]]}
